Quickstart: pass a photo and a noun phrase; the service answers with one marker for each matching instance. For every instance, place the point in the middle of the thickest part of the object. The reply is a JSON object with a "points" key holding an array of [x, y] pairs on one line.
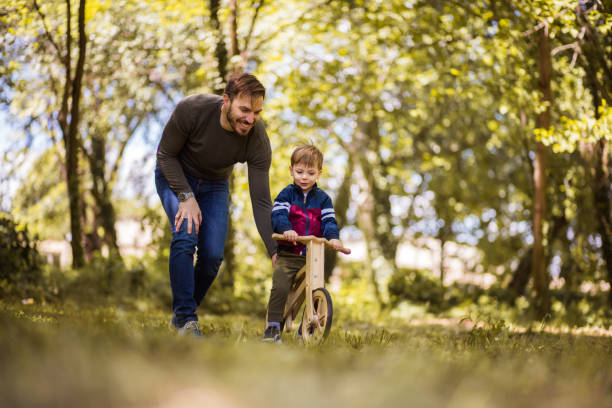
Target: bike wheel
{"points": [[316, 331]]}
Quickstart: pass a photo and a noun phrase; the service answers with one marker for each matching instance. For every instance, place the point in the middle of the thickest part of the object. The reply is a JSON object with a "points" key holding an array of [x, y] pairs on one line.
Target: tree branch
{"points": [[63, 114], [78, 74], [536, 28], [220, 48], [122, 146], [595, 50], [283, 27], [47, 32], [233, 21], [557, 50], [247, 40]]}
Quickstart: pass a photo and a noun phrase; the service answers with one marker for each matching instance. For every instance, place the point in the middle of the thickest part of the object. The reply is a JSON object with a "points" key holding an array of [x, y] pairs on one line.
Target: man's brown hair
{"points": [[308, 155], [244, 83]]}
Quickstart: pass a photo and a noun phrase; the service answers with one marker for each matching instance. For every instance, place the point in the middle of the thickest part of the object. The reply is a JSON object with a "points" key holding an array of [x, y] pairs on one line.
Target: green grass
{"points": [[70, 356]]}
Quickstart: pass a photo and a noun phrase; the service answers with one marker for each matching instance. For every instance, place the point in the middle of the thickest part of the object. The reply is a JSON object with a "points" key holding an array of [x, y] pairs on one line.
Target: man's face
{"points": [[243, 112]]}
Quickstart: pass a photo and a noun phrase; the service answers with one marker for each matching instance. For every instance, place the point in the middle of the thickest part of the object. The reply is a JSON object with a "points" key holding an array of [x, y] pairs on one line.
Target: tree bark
{"points": [[601, 197], [341, 206], [539, 177], [69, 126], [68, 119], [443, 242], [233, 22], [229, 258], [105, 211], [220, 49], [375, 221], [598, 74], [521, 275]]}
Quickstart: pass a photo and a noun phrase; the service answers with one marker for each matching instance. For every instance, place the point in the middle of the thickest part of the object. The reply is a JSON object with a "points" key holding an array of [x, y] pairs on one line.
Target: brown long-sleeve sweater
{"points": [[194, 142]]}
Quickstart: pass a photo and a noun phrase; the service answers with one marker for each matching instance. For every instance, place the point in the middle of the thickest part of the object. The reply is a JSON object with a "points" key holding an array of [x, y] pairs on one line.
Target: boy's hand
{"points": [[291, 236], [335, 243]]}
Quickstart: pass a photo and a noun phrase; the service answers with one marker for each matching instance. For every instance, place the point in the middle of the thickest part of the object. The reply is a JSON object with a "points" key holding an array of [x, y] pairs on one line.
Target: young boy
{"points": [[300, 209]]}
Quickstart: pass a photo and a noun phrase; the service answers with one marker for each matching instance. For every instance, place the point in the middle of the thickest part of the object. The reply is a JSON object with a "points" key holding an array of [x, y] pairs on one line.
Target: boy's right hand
{"points": [[291, 236]]}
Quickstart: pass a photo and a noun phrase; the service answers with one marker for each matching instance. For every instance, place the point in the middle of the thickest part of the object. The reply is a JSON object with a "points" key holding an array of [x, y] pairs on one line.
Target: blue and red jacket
{"points": [[312, 214]]}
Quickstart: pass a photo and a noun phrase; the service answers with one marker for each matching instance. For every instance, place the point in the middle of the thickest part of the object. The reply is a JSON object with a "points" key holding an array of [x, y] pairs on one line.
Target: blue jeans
{"points": [[189, 284]]}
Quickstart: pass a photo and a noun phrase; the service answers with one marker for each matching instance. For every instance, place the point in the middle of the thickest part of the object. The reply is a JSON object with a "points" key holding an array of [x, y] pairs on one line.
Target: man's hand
{"points": [[188, 210], [290, 236], [336, 244], [274, 260]]}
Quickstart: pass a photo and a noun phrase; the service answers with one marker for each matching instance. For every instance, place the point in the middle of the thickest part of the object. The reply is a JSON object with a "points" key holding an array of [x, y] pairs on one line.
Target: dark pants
{"points": [[189, 284], [287, 266]]}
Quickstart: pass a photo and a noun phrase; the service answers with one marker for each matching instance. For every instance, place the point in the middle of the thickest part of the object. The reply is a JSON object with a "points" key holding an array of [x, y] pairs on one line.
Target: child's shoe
{"points": [[272, 334]]}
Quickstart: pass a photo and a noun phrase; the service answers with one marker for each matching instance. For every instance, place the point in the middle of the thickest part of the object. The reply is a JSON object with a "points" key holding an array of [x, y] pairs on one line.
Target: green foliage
{"points": [[42, 200], [427, 109], [21, 264], [484, 334], [110, 281], [358, 341], [416, 286]]}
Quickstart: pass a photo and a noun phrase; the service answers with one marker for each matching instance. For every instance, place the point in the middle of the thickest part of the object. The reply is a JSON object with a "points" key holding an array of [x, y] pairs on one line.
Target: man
{"points": [[205, 136]]}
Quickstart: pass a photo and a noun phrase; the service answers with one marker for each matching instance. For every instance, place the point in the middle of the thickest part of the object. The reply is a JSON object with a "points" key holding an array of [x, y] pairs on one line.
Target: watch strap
{"points": [[184, 196]]}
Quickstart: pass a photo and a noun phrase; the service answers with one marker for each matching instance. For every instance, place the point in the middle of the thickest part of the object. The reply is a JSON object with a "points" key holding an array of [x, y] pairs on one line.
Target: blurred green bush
{"points": [[20, 262], [416, 286]]}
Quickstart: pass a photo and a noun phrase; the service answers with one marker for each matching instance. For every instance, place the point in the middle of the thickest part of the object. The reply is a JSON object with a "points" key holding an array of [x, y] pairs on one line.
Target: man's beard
{"points": [[232, 121]]}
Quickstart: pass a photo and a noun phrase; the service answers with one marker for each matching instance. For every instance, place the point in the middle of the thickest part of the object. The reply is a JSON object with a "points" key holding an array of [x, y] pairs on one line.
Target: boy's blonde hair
{"points": [[308, 155]]}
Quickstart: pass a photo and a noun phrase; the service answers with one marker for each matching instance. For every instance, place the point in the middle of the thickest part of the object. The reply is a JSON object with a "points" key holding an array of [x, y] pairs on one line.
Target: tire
{"points": [[322, 307]]}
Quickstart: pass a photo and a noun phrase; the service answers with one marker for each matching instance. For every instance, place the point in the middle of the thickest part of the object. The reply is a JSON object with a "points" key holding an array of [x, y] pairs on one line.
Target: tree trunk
{"points": [[376, 265], [74, 199], [220, 49], [378, 188], [521, 275], [229, 257], [599, 85], [442, 258], [539, 176], [233, 22], [69, 126], [105, 212], [601, 196], [341, 206], [376, 221]]}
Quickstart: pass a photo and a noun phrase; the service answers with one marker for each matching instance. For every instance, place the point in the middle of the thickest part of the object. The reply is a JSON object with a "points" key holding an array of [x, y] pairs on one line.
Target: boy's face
{"points": [[304, 176]]}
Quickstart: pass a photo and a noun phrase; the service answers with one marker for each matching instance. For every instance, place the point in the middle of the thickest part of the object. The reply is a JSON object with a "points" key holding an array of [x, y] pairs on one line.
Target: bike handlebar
{"points": [[307, 238]]}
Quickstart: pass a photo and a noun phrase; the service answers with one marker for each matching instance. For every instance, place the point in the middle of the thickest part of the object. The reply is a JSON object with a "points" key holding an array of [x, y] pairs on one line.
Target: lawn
{"points": [[69, 355]]}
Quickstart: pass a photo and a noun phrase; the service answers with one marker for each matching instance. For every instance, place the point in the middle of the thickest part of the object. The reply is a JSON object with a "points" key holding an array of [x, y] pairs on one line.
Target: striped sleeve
{"points": [[328, 213], [329, 226], [280, 212], [281, 206]]}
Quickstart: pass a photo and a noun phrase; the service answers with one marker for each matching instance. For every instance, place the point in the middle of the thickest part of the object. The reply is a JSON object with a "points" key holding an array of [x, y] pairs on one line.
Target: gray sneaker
{"points": [[191, 328]]}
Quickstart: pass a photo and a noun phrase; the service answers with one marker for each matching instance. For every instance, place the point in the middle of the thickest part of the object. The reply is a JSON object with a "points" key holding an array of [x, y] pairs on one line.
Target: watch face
{"points": [[184, 196]]}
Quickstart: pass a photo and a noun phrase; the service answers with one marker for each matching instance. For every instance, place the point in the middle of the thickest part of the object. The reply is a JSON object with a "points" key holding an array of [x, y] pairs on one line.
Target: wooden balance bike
{"points": [[309, 286]]}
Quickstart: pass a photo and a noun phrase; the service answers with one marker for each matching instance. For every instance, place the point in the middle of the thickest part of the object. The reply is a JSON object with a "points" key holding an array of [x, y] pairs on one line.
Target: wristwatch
{"points": [[184, 196]]}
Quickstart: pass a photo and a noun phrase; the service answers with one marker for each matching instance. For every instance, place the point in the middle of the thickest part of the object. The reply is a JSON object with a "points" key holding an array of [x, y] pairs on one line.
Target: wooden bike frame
{"points": [[308, 279]]}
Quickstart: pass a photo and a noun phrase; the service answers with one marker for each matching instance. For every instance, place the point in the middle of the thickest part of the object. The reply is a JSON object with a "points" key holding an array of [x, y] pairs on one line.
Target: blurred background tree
{"points": [[482, 124]]}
